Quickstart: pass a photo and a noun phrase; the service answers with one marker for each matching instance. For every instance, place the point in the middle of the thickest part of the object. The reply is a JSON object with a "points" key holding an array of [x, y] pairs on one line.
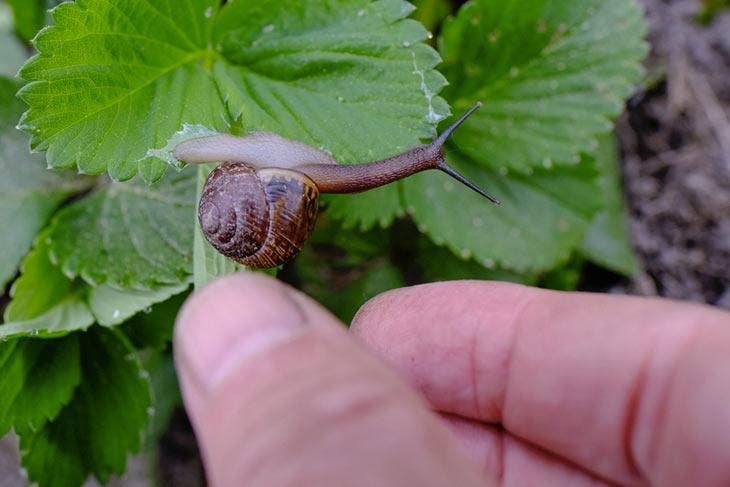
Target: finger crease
{"points": [[657, 415], [516, 328], [632, 412]]}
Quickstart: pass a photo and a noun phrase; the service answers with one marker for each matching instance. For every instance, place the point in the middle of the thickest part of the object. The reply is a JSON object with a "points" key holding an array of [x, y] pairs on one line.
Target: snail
{"points": [[259, 207]]}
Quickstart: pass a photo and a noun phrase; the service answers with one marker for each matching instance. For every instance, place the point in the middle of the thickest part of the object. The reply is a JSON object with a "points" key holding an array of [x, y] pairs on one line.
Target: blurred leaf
{"points": [[438, 264], [40, 287], [710, 8], [376, 279], [101, 425], [348, 247], [607, 240], [151, 331], [128, 235], [551, 75], [344, 291], [29, 15], [152, 327], [343, 268], [29, 193], [431, 12], [38, 379], [113, 306], [550, 82], [71, 314], [166, 394], [541, 220], [564, 277]]}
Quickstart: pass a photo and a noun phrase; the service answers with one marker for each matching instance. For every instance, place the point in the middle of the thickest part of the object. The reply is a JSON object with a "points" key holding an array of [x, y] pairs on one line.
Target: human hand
{"points": [[537, 387]]}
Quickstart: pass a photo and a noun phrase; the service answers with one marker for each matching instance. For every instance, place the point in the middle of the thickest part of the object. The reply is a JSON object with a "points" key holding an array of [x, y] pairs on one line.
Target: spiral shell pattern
{"points": [[258, 217]]}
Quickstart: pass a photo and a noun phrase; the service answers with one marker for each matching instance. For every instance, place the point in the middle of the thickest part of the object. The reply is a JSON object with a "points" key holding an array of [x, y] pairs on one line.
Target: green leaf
{"points": [[71, 314], [565, 277], [551, 75], [40, 287], [10, 106], [431, 12], [128, 235], [710, 8], [39, 377], [325, 72], [46, 303], [30, 16], [607, 240], [438, 264], [101, 425], [377, 279], [11, 382], [114, 80], [343, 247], [112, 306], [550, 82], [166, 394], [152, 327], [542, 217], [29, 193]]}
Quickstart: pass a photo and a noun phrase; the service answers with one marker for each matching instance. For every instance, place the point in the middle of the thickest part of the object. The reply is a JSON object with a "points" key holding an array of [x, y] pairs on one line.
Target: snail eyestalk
{"points": [[441, 139], [439, 142], [454, 174]]}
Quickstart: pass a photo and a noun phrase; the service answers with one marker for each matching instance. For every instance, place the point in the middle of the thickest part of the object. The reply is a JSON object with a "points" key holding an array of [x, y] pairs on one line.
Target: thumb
{"points": [[279, 394]]}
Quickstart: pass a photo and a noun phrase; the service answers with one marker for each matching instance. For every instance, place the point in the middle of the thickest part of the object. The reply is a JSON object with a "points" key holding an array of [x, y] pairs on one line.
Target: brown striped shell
{"points": [[258, 217]]}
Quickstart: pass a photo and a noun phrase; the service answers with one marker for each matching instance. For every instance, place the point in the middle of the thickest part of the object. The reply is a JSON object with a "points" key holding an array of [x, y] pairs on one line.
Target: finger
{"points": [[279, 394], [632, 389], [514, 461]]}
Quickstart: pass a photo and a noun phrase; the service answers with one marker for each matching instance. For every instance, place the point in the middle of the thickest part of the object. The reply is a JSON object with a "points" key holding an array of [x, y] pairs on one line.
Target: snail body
{"points": [[259, 206]]}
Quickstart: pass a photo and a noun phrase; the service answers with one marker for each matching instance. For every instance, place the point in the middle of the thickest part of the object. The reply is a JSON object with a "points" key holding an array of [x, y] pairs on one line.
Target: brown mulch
{"points": [[675, 141]]}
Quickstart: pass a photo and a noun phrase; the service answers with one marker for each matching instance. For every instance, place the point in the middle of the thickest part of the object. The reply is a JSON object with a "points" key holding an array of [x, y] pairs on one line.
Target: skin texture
{"points": [[536, 387]]}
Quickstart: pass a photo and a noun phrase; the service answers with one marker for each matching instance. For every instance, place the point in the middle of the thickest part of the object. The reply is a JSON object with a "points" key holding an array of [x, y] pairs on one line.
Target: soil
{"points": [[675, 142], [178, 458]]}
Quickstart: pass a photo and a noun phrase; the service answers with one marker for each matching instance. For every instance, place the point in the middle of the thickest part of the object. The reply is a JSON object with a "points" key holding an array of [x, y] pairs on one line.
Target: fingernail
{"points": [[230, 321]]}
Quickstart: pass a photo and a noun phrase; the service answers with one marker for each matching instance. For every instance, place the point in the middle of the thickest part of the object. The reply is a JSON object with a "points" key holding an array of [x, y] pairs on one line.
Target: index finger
{"points": [[632, 389]]}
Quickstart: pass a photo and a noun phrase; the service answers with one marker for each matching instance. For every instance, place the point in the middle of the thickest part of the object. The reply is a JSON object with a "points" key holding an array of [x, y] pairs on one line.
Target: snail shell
{"points": [[258, 217]]}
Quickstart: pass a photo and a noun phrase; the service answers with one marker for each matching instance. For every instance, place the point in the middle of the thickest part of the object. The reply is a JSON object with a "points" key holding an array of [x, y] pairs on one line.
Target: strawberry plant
{"points": [[99, 239]]}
